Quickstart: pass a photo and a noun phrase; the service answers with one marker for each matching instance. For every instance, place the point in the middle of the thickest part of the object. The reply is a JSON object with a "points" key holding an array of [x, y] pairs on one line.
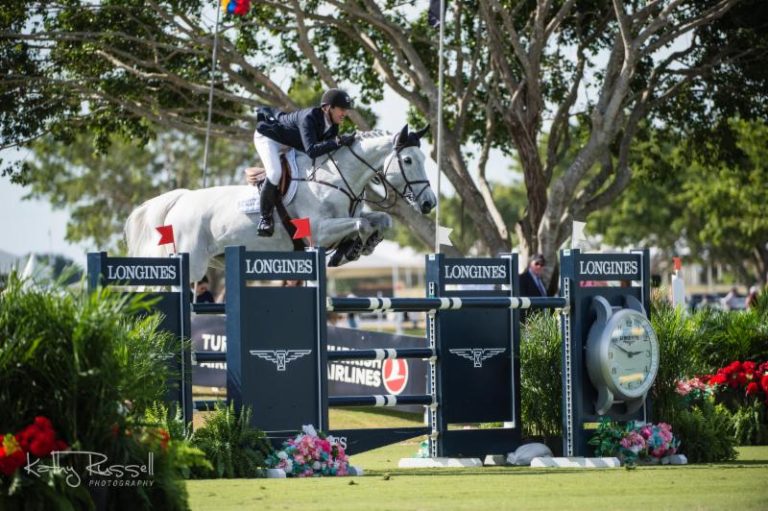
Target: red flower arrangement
{"points": [[747, 378], [38, 439]]}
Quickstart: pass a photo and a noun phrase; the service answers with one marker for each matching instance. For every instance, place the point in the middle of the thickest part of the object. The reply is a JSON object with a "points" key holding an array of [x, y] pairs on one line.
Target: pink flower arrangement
{"points": [[634, 442], [310, 454], [685, 387], [659, 440]]}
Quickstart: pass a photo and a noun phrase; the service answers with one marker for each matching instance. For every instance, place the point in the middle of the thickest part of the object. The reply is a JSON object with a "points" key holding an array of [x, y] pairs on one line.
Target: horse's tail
{"points": [[139, 230]]}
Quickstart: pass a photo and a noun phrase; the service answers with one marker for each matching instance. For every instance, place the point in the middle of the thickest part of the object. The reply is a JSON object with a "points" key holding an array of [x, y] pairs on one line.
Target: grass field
{"points": [[740, 485]]}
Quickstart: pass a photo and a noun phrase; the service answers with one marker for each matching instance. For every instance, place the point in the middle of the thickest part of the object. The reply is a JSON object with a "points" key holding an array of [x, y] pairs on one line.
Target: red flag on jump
{"points": [[302, 228], [166, 234]]}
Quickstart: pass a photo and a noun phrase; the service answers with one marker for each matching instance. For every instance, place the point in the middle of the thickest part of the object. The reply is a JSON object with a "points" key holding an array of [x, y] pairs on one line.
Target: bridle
{"points": [[355, 199]]}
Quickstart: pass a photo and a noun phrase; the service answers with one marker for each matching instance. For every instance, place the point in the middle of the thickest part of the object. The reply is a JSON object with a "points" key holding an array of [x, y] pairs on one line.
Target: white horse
{"points": [[331, 196]]}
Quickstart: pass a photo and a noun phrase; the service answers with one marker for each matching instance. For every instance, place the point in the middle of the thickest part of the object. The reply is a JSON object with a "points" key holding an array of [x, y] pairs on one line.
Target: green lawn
{"points": [[739, 486]]}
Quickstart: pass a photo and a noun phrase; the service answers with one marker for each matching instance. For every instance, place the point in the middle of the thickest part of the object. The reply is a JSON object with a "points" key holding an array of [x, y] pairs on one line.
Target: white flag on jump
{"points": [[442, 235], [577, 234]]}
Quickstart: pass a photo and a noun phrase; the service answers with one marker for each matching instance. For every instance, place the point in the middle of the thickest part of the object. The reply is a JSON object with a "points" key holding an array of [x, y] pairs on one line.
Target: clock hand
{"points": [[622, 348]]}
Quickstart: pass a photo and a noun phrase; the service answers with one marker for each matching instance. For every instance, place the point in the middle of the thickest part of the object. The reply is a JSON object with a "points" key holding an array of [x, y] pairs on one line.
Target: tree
{"points": [[586, 72], [714, 208], [102, 189]]}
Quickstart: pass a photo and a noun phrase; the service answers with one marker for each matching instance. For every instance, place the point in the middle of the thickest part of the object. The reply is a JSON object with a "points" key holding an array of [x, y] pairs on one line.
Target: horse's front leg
{"points": [[330, 231], [380, 222]]}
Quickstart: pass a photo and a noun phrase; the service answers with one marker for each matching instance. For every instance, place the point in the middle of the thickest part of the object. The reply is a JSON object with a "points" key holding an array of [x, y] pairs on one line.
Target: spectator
{"points": [[530, 280], [202, 291], [731, 300], [531, 283], [754, 292]]}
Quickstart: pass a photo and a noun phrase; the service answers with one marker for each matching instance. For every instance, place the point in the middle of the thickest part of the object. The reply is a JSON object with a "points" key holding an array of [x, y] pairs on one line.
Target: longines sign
{"points": [[280, 265], [609, 267], [475, 271], [148, 272]]}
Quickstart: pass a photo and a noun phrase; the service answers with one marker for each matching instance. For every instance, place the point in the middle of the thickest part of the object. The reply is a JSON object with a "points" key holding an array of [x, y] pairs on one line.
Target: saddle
{"points": [[257, 176]]}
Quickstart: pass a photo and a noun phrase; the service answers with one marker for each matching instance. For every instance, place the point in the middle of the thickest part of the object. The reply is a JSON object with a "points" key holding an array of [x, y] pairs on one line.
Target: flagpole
{"points": [[210, 94], [439, 141]]}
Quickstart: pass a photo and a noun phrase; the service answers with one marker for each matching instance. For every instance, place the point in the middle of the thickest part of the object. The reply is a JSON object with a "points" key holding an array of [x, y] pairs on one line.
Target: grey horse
{"points": [[331, 196]]}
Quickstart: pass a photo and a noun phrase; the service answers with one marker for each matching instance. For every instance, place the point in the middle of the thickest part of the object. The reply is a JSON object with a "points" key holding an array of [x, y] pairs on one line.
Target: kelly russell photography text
{"points": [[97, 470]]}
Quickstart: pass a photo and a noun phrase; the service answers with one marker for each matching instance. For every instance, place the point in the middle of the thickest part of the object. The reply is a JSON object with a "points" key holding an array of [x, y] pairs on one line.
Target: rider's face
{"points": [[337, 114]]}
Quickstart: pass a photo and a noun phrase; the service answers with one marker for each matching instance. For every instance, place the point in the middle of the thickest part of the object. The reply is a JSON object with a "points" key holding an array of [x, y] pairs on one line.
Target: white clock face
{"points": [[633, 354]]}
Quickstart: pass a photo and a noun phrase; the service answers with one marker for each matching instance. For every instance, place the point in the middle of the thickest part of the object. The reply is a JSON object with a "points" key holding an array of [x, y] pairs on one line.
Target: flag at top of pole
{"points": [[434, 17], [236, 7]]}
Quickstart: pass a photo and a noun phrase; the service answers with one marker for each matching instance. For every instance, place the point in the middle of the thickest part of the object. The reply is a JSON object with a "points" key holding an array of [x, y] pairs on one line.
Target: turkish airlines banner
{"points": [[345, 377]]}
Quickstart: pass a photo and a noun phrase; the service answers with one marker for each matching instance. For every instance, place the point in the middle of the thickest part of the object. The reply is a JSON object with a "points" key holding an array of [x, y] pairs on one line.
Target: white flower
{"points": [[309, 429], [316, 465], [282, 455]]}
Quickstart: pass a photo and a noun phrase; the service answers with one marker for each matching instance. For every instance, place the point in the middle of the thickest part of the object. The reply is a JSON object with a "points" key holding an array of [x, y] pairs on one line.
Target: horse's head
{"points": [[404, 170]]}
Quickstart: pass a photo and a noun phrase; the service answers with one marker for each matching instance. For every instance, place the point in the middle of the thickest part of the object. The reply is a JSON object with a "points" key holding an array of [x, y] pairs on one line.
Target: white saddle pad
{"points": [[250, 203]]}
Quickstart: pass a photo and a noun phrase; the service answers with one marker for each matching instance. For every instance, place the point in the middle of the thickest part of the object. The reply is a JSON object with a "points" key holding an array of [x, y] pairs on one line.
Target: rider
{"points": [[314, 131]]}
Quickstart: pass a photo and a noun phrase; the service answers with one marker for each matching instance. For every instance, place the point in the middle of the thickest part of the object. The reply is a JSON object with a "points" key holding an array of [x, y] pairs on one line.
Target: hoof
{"points": [[353, 253], [372, 242]]}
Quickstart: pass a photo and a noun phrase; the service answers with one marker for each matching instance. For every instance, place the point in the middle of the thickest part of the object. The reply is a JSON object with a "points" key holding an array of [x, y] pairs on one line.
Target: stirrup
{"points": [[266, 226]]}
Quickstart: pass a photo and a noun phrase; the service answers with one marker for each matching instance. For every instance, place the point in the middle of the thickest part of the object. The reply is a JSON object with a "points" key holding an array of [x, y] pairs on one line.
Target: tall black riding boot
{"points": [[267, 204]]}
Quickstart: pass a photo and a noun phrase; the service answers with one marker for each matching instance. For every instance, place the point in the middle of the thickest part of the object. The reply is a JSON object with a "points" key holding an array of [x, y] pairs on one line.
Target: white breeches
{"points": [[269, 152]]}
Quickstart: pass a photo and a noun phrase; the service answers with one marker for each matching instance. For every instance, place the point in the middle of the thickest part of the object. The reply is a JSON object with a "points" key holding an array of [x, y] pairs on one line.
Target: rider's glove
{"points": [[346, 140]]}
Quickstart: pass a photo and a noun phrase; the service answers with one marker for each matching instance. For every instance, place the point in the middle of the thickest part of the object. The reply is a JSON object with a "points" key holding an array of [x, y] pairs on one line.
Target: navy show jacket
{"points": [[303, 130]]}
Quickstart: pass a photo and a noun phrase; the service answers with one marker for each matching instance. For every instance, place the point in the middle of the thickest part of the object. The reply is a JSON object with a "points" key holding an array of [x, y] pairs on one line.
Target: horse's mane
{"points": [[372, 133]]}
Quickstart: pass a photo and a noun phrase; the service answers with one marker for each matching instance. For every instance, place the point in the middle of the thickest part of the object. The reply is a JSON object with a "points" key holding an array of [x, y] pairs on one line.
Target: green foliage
{"points": [[181, 454], [607, 438], [78, 358], [101, 189], [171, 421], [703, 431], [715, 205], [727, 336], [749, 424], [232, 446], [92, 363], [541, 385], [678, 347]]}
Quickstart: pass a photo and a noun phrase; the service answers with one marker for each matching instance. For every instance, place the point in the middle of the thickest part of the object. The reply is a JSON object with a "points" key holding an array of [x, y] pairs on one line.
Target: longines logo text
{"points": [[477, 355], [608, 267], [281, 358], [140, 272], [475, 271], [97, 469], [278, 266]]}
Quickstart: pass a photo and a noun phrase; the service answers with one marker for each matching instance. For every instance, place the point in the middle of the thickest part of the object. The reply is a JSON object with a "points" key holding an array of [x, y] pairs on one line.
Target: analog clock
{"points": [[622, 355]]}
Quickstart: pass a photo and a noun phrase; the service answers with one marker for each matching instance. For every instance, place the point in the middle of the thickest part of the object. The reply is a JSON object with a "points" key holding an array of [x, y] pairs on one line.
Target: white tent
{"points": [[388, 260]]}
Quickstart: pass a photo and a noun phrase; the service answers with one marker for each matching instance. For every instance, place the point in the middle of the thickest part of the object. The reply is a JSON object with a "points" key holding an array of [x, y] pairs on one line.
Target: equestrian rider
{"points": [[314, 131]]}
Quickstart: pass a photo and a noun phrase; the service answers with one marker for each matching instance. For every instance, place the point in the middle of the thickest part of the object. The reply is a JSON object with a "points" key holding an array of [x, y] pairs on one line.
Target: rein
{"points": [[355, 200]]}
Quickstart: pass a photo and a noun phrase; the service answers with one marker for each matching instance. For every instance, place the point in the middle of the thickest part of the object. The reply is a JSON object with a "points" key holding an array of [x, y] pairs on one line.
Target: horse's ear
{"points": [[401, 138], [422, 131]]}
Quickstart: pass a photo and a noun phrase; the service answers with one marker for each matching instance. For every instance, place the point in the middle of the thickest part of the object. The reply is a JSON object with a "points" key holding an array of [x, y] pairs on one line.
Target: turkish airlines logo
{"points": [[395, 373], [281, 358], [477, 355]]}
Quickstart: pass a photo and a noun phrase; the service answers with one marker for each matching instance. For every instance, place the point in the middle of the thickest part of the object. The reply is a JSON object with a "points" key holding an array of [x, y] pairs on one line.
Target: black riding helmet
{"points": [[337, 98]]}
